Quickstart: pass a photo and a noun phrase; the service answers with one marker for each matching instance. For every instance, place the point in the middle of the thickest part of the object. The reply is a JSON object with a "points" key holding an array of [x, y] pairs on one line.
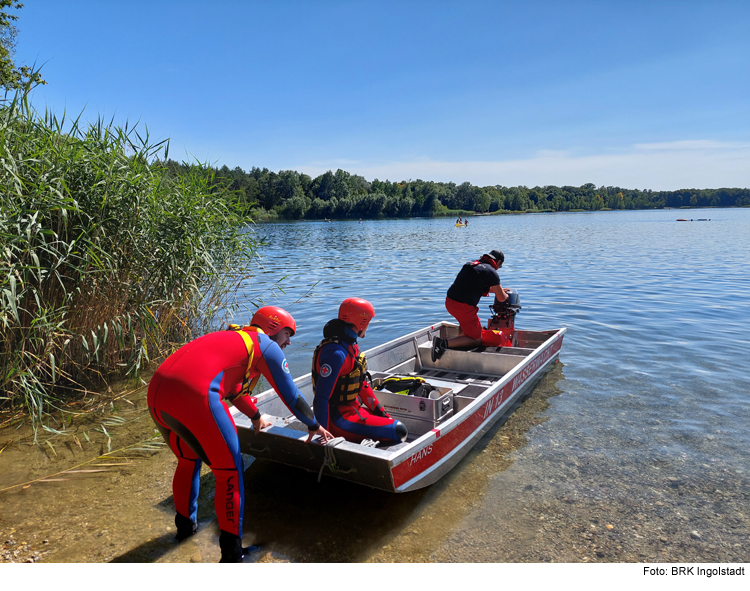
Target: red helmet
{"points": [[356, 311], [272, 319]]}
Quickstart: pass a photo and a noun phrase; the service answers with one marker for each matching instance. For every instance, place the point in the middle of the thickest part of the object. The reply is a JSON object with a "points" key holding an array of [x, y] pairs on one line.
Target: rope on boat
{"points": [[329, 459]]}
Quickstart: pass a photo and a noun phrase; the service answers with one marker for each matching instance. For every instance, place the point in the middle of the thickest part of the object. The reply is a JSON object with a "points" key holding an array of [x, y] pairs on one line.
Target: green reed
{"points": [[106, 261]]}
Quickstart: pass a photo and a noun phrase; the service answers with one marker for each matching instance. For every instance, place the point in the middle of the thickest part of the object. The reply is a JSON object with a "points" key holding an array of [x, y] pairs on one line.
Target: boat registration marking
{"points": [[534, 365], [442, 446]]}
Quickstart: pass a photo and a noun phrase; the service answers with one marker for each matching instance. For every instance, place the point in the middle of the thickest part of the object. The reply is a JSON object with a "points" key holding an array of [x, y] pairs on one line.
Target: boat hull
{"points": [[481, 399]]}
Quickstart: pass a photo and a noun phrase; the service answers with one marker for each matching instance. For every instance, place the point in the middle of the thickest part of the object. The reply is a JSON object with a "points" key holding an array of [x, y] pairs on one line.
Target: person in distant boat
{"points": [[344, 402], [458, 221], [466, 222], [474, 280], [186, 399]]}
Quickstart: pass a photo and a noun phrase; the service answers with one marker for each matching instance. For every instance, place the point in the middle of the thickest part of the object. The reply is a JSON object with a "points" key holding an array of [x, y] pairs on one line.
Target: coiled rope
{"points": [[329, 459]]}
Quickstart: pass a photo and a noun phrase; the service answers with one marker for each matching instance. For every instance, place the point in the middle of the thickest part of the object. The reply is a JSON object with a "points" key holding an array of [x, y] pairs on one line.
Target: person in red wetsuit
{"points": [[344, 402], [187, 396], [474, 280]]}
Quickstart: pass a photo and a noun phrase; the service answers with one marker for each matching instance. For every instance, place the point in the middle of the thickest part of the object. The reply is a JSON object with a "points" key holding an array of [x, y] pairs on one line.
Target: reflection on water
{"points": [[641, 455]]}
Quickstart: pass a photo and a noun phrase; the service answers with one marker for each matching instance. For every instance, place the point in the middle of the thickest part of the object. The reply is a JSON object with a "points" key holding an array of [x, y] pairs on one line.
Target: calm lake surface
{"points": [[652, 399], [657, 310], [633, 448]]}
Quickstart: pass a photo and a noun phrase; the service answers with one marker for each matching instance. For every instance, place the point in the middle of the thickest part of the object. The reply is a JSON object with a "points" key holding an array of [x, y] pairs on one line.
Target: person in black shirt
{"points": [[474, 280]]}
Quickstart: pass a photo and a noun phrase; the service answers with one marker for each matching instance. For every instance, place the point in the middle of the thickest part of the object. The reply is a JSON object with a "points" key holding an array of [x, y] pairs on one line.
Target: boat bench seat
{"points": [[492, 361]]}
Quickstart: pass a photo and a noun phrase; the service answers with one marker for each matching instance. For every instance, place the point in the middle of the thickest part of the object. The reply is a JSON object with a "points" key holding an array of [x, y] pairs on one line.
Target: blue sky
{"points": [[636, 94]]}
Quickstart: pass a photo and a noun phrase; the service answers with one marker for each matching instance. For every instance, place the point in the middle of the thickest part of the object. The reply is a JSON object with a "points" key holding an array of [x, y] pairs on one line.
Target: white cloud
{"points": [[695, 164], [693, 145]]}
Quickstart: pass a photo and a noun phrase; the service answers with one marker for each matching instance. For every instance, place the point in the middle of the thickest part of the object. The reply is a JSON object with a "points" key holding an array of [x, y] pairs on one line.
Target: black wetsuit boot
{"points": [[231, 547], [186, 527]]}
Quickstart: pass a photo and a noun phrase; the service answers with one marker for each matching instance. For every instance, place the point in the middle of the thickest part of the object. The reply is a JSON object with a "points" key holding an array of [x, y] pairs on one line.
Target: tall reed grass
{"points": [[106, 261]]}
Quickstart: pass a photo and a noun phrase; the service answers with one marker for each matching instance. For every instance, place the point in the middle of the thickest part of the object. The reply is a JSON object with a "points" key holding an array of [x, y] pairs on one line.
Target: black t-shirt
{"points": [[472, 282]]}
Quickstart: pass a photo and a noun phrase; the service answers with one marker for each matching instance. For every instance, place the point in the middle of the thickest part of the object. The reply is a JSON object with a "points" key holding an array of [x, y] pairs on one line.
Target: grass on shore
{"points": [[106, 261]]}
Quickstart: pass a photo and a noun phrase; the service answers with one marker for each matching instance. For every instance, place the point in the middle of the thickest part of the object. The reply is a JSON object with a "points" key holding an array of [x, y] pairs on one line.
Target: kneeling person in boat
{"points": [[474, 280], [344, 402], [186, 399]]}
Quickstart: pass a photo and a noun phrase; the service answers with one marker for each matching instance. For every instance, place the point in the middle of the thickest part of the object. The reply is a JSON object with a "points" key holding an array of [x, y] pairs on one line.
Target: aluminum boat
{"points": [[472, 391]]}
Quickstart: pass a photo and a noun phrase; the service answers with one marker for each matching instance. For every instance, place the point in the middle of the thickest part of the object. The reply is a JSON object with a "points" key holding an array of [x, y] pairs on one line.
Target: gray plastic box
{"points": [[420, 415]]}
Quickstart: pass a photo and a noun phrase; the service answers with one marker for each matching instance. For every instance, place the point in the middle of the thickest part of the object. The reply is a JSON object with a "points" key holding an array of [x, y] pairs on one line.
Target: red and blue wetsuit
{"points": [[344, 402], [186, 398]]}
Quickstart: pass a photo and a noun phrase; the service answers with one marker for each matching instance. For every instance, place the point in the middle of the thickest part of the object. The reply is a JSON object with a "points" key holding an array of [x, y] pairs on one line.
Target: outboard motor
{"points": [[501, 330]]}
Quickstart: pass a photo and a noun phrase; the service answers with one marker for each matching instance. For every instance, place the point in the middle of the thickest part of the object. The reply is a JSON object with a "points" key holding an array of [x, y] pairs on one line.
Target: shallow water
{"points": [[640, 455]]}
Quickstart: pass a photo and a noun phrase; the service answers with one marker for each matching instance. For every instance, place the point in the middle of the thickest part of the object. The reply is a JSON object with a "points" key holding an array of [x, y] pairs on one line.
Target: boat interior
{"points": [[459, 377]]}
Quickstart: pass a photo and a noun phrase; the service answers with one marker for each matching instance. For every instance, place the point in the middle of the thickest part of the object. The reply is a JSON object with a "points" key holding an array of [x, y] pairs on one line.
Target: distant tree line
{"points": [[339, 195]]}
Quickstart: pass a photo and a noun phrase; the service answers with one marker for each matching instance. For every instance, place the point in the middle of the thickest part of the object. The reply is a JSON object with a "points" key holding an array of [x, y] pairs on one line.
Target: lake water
{"points": [[657, 310], [652, 400], [633, 448]]}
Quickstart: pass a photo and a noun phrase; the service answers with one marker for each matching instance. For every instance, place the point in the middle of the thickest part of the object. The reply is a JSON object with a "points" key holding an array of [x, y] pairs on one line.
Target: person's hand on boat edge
{"points": [[260, 424], [325, 436]]}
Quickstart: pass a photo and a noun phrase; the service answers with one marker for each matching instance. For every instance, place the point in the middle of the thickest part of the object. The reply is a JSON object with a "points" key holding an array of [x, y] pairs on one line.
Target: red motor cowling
{"points": [[501, 329]]}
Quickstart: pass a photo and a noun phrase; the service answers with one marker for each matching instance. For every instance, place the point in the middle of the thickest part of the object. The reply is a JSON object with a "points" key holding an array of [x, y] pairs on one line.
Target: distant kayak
{"points": [[460, 225]]}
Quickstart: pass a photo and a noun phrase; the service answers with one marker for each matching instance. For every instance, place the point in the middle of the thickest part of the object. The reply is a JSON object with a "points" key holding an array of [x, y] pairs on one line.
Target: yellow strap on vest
{"points": [[250, 346], [249, 386]]}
